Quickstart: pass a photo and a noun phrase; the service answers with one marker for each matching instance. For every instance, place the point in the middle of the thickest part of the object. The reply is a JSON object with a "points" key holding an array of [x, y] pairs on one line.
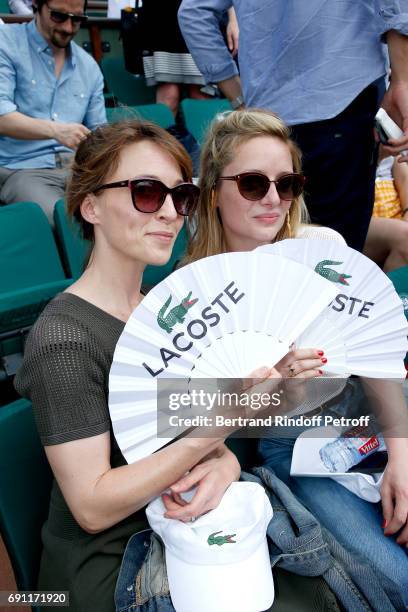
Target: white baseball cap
{"points": [[220, 562]]}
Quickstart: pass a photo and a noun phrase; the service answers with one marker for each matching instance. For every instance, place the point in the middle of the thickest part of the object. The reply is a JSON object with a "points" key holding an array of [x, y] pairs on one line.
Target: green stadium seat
{"points": [[25, 485], [31, 274], [28, 254], [127, 88], [399, 278], [74, 248], [158, 113], [4, 7], [198, 114]]}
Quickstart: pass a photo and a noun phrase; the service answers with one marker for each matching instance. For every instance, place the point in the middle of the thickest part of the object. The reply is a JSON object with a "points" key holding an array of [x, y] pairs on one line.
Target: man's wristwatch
{"points": [[237, 102]]}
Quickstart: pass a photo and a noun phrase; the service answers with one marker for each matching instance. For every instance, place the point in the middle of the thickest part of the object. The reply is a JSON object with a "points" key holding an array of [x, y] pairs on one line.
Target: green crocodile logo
{"points": [[214, 538], [176, 314], [332, 275]]}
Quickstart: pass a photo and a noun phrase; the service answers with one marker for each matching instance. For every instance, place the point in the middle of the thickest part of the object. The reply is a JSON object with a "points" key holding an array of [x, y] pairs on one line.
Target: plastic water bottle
{"points": [[341, 454]]}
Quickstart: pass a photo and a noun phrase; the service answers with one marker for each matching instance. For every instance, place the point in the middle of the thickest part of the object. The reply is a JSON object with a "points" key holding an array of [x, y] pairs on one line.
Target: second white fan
{"points": [[364, 330]]}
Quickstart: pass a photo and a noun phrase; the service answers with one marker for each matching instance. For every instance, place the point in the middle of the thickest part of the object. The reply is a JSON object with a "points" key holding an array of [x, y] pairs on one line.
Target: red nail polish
{"points": [[324, 360], [320, 353], [384, 524], [321, 372]]}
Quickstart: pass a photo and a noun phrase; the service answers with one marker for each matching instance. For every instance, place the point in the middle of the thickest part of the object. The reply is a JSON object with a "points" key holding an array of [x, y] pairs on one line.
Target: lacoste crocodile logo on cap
{"points": [[214, 538]]}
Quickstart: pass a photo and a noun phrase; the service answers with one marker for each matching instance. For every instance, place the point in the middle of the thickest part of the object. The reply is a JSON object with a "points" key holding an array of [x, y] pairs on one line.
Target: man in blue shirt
{"points": [[320, 65], [51, 96]]}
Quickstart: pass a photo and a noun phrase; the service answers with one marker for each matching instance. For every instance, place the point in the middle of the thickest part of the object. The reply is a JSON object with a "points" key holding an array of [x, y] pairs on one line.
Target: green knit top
{"points": [[65, 374]]}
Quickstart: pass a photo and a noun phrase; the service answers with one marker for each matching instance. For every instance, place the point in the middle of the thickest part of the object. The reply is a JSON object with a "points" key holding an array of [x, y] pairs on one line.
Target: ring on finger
{"points": [[192, 519], [291, 371]]}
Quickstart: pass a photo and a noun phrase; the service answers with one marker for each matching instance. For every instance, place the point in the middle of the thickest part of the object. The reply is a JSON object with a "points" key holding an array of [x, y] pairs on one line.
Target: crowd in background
{"points": [[339, 197]]}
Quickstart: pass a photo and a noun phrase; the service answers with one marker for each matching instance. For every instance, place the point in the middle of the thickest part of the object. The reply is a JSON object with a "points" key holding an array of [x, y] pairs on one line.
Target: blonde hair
{"points": [[225, 135]]}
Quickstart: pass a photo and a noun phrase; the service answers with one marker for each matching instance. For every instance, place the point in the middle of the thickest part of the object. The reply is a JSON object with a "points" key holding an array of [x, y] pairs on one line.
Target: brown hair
{"points": [[98, 156], [226, 134]]}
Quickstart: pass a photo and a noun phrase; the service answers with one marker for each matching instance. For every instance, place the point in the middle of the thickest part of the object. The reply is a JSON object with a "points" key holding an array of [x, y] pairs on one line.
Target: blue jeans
{"points": [[354, 522]]}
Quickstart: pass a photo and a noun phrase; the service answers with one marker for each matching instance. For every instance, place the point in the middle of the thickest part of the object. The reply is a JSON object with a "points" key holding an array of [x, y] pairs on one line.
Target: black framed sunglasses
{"points": [[60, 17], [148, 195], [255, 185]]}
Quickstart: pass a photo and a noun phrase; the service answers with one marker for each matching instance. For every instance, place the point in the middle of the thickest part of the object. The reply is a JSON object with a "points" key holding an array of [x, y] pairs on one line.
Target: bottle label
{"points": [[369, 446]]}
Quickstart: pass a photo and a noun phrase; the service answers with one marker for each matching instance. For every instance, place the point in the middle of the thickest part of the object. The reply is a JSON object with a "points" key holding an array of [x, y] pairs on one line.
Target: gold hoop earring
{"points": [[213, 198], [288, 227]]}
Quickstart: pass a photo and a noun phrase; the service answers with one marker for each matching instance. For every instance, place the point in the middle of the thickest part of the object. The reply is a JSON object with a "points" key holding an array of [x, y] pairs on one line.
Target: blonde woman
{"points": [[251, 194]]}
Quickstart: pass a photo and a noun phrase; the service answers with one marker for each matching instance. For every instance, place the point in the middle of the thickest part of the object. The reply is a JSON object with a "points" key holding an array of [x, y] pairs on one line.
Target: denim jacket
{"points": [[302, 546], [297, 544], [142, 583]]}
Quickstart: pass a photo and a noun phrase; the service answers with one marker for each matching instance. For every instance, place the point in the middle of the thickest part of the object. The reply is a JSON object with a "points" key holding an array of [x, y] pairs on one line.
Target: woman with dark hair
{"points": [[130, 191]]}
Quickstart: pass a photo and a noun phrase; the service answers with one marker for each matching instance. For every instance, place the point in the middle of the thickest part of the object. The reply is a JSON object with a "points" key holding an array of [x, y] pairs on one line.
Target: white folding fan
{"points": [[220, 317], [364, 330]]}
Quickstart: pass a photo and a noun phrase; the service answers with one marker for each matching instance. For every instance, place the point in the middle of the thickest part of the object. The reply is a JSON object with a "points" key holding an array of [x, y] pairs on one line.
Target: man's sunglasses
{"points": [[255, 185], [59, 17], [148, 195]]}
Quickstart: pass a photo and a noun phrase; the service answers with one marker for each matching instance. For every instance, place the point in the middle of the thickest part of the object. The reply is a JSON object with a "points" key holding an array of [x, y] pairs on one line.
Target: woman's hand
{"points": [[232, 32], [212, 477], [301, 363], [394, 495], [296, 367]]}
